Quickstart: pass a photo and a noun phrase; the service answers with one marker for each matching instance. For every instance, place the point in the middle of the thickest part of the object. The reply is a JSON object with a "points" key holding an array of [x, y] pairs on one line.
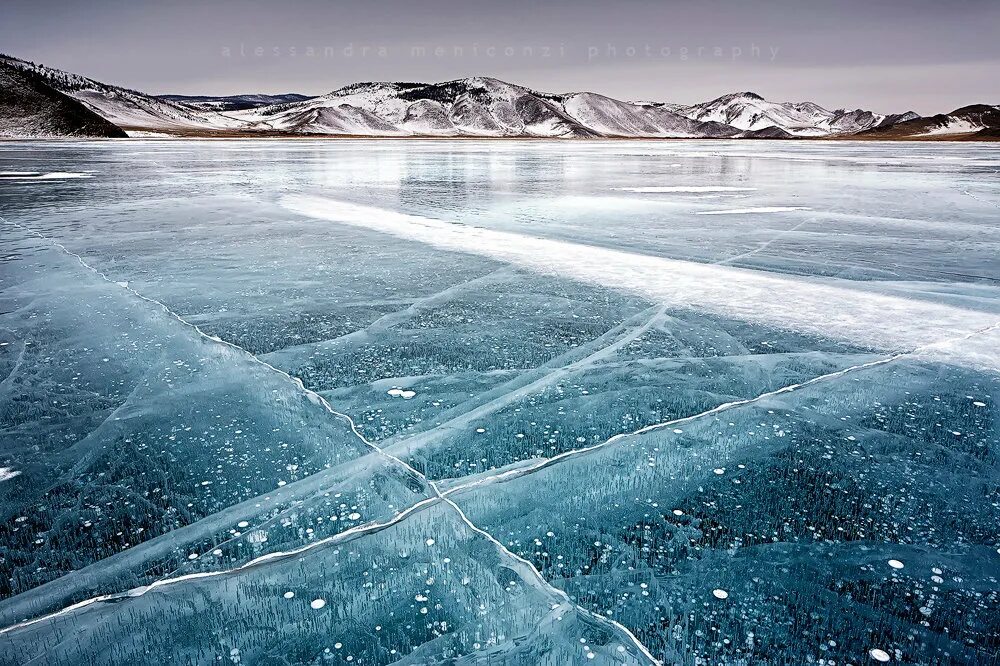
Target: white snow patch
{"points": [[896, 564], [316, 604], [833, 308], [148, 134], [761, 209], [720, 594], [53, 175], [8, 473], [682, 189], [953, 126]]}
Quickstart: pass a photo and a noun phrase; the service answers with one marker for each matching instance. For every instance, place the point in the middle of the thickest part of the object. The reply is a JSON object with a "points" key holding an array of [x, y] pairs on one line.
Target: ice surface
{"points": [[392, 596], [797, 507], [719, 435], [830, 307], [138, 441]]}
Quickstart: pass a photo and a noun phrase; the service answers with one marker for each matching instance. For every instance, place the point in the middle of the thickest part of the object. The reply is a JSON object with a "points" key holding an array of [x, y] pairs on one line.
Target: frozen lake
{"points": [[418, 401]]}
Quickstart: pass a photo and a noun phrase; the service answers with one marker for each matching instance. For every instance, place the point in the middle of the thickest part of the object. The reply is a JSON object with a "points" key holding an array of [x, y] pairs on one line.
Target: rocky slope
{"points": [[128, 109], [232, 102], [978, 121], [31, 108]]}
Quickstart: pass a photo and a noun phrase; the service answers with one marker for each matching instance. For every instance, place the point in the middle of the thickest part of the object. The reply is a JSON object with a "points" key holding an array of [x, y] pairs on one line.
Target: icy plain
{"points": [[419, 402]]}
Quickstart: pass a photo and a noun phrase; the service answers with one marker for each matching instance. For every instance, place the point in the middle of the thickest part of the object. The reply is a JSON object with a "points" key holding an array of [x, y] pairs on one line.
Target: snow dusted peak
{"points": [[488, 83], [809, 107], [484, 85], [750, 112], [736, 97], [369, 87]]}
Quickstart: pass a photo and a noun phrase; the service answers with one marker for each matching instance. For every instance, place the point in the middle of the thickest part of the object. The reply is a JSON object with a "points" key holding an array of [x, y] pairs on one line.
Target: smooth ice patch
{"points": [[828, 307], [401, 393], [682, 189], [896, 564], [744, 211]]}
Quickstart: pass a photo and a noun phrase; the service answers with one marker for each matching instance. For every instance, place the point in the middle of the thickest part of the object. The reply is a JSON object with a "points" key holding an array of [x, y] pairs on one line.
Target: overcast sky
{"points": [[929, 56]]}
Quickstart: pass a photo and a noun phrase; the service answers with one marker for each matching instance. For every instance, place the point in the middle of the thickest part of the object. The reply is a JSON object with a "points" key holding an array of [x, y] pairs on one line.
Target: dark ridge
{"points": [[771, 132], [234, 102], [31, 107]]}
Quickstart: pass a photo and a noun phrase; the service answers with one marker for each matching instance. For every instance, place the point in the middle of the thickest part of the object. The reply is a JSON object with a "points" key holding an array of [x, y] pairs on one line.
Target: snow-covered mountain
{"points": [[487, 107], [128, 109], [478, 106], [31, 108], [978, 121], [751, 112]]}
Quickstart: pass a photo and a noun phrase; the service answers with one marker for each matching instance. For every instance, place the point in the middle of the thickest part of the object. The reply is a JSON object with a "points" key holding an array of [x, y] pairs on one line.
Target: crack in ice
{"points": [[346, 535], [532, 571], [503, 477], [833, 308], [528, 569]]}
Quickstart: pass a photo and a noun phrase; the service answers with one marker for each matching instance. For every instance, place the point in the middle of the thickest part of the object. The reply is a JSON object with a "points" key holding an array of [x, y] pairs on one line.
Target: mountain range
{"points": [[41, 101]]}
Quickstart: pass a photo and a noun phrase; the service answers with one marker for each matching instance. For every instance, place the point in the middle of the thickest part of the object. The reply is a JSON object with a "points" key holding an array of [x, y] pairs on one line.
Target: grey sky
{"points": [[930, 56]]}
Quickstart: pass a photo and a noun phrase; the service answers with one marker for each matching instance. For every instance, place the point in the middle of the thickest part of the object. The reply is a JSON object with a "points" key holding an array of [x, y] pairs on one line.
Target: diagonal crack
{"points": [[517, 389], [518, 472], [528, 571], [391, 319]]}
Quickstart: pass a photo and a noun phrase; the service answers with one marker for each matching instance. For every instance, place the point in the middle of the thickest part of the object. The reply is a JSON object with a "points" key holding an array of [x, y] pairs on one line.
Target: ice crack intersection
{"points": [[724, 407], [532, 573], [523, 564]]}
